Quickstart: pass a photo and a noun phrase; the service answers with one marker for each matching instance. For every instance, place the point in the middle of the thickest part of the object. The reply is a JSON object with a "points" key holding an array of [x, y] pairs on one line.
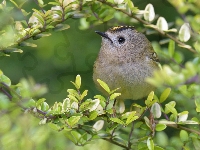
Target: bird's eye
{"points": [[121, 40]]}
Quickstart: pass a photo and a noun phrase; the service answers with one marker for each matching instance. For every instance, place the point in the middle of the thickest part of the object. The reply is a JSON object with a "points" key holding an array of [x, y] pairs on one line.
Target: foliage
{"points": [[84, 120]]}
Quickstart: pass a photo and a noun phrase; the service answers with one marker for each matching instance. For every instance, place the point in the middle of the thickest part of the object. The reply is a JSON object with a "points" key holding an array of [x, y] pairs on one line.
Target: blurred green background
{"points": [[55, 62], [57, 59]]}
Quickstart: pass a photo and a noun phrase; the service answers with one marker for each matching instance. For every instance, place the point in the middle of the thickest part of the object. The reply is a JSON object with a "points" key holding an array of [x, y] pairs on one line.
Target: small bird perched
{"points": [[125, 60]]}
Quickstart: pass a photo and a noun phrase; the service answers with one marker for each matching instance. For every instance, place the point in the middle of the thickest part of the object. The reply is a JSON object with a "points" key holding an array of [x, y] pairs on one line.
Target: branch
{"points": [[39, 6], [113, 142], [147, 23], [130, 135], [183, 128]]}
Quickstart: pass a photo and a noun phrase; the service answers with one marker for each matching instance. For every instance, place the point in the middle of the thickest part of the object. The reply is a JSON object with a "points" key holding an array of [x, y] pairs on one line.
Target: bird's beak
{"points": [[103, 35]]}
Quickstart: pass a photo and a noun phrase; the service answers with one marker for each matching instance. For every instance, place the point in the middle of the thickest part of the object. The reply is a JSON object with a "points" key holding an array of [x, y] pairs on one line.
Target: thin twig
{"points": [[147, 23], [113, 142], [183, 128], [9, 89], [39, 6], [6, 93], [130, 135]]}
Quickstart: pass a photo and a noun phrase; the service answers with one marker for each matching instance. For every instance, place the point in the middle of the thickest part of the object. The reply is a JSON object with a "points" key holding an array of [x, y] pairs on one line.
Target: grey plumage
{"points": [[125, 60]]}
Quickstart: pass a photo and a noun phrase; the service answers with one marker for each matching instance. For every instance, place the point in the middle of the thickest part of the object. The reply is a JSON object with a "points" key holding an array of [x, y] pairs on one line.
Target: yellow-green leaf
{"points": [[78, 81], [184, 136], [104, 85], [171, 109], [165, 94], [114, 95], [73, 120], [160, 127], [117, 120], [150, 143]]}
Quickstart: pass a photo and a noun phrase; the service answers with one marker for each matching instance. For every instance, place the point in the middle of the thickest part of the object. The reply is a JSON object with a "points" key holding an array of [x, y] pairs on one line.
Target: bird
{"points": [[126, 58]]}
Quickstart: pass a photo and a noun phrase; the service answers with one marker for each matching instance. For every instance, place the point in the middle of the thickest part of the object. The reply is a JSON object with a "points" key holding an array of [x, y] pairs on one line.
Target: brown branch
{"points": [[113, 142], [6, 93], [147, 23], [39, 6], [183, 128]]}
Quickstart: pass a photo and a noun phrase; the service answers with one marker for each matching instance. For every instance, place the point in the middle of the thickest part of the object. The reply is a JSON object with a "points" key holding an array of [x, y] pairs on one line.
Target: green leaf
{"points": [[70, 137], [114, 95], [104, 85], [44, 106], [117, 120], [73, 120], [43, 121], [4, 102], [73, 98], [11, 50], [34, 32], [54, 126], [156, 110], [160, 127], [20, 6], [61, 27], [196, 143], [149, 101], [41, 2], [41, 35], [171, 48], [25, 13], [78, 81], [150, 96], [197, 103], [27, 44], [74, 93], [93, 115], [54, 3], [93, 104], [131, 117], [100, 97], [170, 108], [165, 94], [31, 103], [74, 84], [158, 148], [118, 139], [150, 143], [14, 3], [76, 135], [84, 94], [195, 119], [137, 105], [108, 17], [130, 5], [85, 105], [111, 92], [147, 121], [184, 136], [5, 79], [39, 16], [40, 101]]}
